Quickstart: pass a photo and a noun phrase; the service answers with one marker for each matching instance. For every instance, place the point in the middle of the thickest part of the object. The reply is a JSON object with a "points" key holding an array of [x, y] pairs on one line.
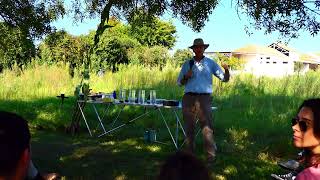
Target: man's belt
{"points": [[197, 94]]}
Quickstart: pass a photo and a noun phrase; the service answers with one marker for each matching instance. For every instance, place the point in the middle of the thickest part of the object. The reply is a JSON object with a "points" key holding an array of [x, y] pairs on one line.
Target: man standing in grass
{"points": [[196, 76]]}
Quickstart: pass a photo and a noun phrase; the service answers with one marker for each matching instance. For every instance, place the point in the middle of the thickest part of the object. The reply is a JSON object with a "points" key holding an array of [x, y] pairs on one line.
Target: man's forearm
{"points": [[184, 80], [226, 75]]}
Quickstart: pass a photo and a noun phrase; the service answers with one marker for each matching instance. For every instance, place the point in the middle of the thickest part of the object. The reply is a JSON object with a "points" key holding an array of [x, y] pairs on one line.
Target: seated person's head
{"points": [[306, 125], [306, 131], [182, 166], [14, 146]]}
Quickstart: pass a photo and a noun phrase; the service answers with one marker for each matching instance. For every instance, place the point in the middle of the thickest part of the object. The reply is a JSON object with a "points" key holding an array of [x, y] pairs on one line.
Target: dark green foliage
{"points": [[110, 53], [116, 46], [15, 47], [233, 62], [113, 47], [149, 56], [181, 55], [151, 31], [193, 13], [63, 47], [32, 17], [288, 17]]}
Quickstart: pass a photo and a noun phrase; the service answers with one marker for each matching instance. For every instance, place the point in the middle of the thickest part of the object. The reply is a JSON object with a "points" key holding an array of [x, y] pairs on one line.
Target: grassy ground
{"points": [[247, 148], [252, 126]]}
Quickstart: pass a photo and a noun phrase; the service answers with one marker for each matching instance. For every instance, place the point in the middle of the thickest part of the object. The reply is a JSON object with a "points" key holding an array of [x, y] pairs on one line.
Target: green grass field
{"points": [[252, 123]]}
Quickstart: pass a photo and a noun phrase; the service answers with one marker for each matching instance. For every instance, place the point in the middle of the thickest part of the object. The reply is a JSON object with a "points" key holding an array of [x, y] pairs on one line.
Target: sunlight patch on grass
{"points": [[263, 156], [84, 165], [63, 158], [230, 170], [108, 143], [115, 150], [82, 152], [220, 177], [130, 142], [46, 116], [138, 147], [239, 137], [154, 148], [121, 177]]}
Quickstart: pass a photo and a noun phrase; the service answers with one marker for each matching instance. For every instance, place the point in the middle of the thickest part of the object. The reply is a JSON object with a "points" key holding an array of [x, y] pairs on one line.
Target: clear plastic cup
{"points": [[129, 96], [153, 96], [141, 96], [133, 96], [123, 95]]}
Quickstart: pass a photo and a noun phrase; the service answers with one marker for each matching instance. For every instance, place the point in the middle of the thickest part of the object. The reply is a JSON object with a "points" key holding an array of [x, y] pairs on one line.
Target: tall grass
{"points": [[38, 86]]}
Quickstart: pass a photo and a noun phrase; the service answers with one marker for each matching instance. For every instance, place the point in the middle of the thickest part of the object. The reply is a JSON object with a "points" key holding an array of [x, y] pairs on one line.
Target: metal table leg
{"points": [[97, 114], [124, 124], [165, 122], [84, 118]]}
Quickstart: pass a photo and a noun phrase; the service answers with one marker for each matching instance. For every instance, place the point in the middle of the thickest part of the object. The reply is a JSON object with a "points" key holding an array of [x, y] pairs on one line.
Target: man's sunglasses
{"points": [[302, 124]]}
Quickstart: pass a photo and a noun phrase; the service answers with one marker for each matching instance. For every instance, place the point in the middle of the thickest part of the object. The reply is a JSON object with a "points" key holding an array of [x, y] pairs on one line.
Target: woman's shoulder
{"points": [[310, 173]]}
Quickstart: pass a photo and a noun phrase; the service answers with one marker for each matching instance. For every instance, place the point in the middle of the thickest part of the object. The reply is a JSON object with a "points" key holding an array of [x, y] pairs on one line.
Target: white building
{"points": [[266, 61], [275, 60]]}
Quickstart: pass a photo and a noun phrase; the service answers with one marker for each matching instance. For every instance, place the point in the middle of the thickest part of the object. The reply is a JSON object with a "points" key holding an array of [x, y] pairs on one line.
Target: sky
{"points": [[224, 31]]}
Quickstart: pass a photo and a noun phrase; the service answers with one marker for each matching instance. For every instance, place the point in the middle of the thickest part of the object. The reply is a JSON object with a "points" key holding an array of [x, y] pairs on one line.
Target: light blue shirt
{"points": [[201, 79]]}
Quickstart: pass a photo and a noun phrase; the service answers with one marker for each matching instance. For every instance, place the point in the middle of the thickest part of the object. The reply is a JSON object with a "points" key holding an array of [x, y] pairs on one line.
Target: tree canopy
{"points": [[33, 17], [15, 47], [151, 31], [191, 12], [287, 17]]}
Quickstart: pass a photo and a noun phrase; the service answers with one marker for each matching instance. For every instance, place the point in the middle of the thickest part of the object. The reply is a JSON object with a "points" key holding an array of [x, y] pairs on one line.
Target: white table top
{"points": [[136, 104]]}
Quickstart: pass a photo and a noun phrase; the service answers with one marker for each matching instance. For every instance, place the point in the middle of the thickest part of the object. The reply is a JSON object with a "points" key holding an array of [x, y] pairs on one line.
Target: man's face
{"points": [[198, 50]]}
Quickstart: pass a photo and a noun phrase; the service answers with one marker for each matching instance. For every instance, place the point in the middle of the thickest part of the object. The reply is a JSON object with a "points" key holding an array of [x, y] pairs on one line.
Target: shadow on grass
{"points": [[91, 158], [251, 129]]}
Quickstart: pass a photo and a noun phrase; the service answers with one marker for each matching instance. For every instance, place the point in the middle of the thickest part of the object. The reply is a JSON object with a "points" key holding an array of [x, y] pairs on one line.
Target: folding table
{"points": [[157, 108]]}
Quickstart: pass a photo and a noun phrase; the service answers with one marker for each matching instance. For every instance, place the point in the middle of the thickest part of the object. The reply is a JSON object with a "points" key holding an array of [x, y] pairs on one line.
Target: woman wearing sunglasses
{"points": [[306, 135]]}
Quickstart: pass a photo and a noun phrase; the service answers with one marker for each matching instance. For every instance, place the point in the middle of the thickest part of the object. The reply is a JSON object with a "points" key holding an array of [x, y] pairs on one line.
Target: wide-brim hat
{"points": [[199, 42]]}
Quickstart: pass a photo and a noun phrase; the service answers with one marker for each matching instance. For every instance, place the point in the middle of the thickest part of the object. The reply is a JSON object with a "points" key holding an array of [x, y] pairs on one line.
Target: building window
{"points": [[268, 58], [268, 62], [274, 62], [285, 62]]}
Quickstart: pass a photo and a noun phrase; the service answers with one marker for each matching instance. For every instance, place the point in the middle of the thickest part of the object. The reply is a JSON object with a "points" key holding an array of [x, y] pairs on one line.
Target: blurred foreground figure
{"points": [[182, 166], [306, 136], [15, 154]]}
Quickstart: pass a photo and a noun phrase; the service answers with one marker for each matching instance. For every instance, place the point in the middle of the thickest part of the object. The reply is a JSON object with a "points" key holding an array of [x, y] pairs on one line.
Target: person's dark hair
{"points": [[308, 158], [182, 166], [14, 140], [314, 105]]}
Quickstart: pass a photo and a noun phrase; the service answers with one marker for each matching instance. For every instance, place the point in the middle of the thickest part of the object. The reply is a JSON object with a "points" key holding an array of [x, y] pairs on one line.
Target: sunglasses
{"points": [[303, 125]]}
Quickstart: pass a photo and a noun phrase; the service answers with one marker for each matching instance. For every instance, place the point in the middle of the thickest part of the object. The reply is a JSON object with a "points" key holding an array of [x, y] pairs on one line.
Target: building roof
{"points": [[256, 49], [280, 46], [310, 58]]}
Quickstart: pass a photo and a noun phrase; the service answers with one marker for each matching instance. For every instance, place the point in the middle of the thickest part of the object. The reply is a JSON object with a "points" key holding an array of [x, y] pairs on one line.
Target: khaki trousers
{"points": [[198, 107]]}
